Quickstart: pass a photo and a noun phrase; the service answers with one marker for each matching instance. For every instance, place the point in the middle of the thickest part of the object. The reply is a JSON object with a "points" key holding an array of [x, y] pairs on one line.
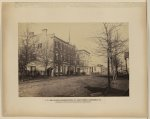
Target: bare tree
{"points": [[45, 54], [119, 46], [110, 46], [26, 50]]}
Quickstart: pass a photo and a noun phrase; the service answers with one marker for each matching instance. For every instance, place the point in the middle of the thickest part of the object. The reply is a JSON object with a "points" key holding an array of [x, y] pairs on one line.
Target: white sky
{"points": [[80, 34]]}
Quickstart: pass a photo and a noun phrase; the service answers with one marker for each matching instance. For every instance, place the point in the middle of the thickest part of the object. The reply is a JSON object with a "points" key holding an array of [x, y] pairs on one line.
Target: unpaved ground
{"points": [[78, 86]]}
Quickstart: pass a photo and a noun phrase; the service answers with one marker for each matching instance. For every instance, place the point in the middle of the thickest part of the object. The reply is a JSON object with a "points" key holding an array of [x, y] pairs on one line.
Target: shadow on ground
{"points": [[98, 91]]}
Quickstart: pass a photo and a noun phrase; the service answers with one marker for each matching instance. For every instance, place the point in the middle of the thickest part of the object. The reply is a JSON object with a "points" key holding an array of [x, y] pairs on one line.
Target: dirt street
{"points": [[75, 86]]}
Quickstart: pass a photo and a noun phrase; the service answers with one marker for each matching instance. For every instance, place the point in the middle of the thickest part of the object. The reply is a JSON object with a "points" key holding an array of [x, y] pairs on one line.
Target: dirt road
{"points": [[75, 86]]}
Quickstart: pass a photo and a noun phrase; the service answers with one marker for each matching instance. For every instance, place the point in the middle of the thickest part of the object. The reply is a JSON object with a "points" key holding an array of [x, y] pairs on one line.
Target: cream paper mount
{"points": [[61, 89]]}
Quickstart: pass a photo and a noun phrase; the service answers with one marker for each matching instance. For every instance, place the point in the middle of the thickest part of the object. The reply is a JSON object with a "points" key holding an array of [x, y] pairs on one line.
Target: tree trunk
{"points": [[46, 70], [112, 68], [59, 70], [108, 73], [116, 70]]}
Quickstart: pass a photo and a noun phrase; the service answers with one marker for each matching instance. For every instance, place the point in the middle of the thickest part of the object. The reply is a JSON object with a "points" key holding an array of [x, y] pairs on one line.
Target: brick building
{"points": [[64, 57]]}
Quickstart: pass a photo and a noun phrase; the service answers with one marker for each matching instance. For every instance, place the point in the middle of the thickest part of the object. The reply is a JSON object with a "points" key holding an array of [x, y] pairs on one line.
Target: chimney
{"points": [[44, 31]]}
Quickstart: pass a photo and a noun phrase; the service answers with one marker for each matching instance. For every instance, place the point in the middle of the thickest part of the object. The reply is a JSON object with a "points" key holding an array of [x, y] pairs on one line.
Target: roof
{"points": [[83, 51], [64, 41]]}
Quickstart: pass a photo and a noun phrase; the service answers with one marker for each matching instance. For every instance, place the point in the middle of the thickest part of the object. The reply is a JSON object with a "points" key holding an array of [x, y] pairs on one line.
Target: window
{"points": [[61, 69], [63, 47], [65, 57], [68, 58], [39, 45], [61, 57], [56, 55], [56, 44], [56, 69]]}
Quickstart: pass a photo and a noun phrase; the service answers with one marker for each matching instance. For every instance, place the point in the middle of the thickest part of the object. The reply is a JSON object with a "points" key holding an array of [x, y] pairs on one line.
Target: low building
{"points": [[98, 70]]}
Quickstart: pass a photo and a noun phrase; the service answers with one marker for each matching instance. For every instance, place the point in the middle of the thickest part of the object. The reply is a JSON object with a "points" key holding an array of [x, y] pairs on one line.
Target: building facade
{"points": [[44, 54], [98, 70], [54, 56], [83, 61], [64, 57]]}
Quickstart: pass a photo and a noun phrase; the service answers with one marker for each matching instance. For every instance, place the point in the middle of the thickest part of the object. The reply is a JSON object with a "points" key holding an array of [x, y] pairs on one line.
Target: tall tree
{"points": [[26, 50], [119, 47], [45, 53], [110, 46]]}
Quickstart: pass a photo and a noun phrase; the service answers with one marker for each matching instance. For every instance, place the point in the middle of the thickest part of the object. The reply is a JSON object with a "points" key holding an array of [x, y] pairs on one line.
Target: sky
{"points": [[82, 35]]}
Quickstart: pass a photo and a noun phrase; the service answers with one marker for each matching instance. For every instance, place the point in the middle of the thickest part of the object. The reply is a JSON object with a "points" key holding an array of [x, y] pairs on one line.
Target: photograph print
{"points": [[73, 59]]}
